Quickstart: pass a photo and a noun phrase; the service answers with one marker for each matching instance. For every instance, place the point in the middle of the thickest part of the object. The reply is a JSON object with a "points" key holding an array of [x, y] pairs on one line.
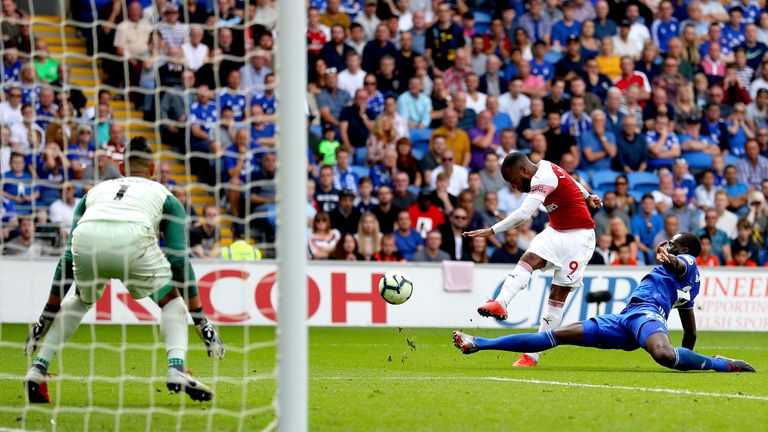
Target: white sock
{"points": [[173, 327], [66, 322], [516, 280], [550, 319]]}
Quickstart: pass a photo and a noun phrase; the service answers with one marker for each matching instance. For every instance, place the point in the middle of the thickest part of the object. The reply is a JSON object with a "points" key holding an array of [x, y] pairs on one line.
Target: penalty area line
{"points": [[558, 384]]}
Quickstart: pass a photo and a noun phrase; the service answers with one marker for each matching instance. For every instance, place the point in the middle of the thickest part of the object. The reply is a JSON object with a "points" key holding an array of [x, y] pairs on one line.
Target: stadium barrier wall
{"points": [[346, 294]]}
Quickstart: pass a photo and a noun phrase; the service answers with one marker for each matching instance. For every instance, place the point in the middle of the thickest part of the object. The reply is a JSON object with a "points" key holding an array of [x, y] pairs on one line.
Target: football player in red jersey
{"points": [[566, 245]]}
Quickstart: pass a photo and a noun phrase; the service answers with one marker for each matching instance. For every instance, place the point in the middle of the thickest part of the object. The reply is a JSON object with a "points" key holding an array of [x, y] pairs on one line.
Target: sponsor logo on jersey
{"points": [[550, 208]]}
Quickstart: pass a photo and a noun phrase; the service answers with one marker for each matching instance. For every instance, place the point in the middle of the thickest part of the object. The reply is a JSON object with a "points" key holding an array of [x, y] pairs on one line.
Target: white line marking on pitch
{"points": [[557, 383]]}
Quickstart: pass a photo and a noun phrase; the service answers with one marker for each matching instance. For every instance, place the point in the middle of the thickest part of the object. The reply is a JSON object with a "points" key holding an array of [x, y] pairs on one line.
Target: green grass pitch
{"points": [[364, 379]]}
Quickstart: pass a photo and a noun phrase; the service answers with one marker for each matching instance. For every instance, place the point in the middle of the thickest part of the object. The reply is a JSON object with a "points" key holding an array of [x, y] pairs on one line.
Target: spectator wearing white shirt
{"points": [[368, 20], [458, 176], [638, 32], [351, 79], [195, 51], [706, 190], [132, 34], [62, 211], [514, 103], [10, 109], [20, 131], [623, 44], [476, 100]]}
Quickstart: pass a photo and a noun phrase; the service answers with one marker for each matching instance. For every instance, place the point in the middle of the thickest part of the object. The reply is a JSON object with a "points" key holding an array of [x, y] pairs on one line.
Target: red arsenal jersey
{"points": [[562, 198]]}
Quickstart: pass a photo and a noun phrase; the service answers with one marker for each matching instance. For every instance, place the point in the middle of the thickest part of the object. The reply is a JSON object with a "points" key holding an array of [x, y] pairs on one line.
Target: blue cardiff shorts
{"points": [[626, 330]]}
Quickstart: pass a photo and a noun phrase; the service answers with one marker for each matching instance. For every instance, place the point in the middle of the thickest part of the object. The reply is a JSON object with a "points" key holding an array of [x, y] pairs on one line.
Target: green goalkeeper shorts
{"points": [[116, 250]]}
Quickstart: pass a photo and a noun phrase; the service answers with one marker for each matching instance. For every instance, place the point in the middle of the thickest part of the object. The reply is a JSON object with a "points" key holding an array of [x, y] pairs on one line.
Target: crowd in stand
{"points": [[659, 107]]}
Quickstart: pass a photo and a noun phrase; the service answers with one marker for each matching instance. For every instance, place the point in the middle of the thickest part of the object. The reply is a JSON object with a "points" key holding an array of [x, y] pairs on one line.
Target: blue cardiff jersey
{"points": [[668, 291]]}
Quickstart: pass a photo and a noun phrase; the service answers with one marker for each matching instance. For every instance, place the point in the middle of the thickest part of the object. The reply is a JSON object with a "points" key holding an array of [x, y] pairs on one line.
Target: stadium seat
{"points": [[637, 195], [654, 164], [604, 179], [317, 130], [643, 181], [482, 22], [598, 192], [361, 171], [361, 153], [414, 189], [698, 160], [731, 160], [420, 141]]}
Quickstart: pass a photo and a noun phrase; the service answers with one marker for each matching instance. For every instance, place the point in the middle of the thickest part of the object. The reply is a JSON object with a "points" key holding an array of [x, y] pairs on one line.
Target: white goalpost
{"points": [[292, 339]]}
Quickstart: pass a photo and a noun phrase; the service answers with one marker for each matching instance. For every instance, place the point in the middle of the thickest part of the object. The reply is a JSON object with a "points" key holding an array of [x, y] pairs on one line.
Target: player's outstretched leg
{"points": [[683, 359], [535, 342], [66, 322], [173, 327]]}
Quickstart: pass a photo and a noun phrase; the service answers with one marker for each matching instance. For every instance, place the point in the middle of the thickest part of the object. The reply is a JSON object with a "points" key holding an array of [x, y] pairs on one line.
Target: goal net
{"points": [[203, 83]]}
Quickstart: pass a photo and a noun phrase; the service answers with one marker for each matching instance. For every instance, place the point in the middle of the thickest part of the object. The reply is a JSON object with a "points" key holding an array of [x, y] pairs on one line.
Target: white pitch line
{"points": [[555, 383]]}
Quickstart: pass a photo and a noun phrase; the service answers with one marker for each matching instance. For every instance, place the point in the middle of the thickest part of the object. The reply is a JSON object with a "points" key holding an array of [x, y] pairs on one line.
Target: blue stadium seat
{"points": [[414, 189], [604, 179], [731, 160], [637, 195], [360, 155], [482, 22], [598, 192], [643, 181], [317, 130], [654, 164], [361, 171], [420, 142], [698, 160]]}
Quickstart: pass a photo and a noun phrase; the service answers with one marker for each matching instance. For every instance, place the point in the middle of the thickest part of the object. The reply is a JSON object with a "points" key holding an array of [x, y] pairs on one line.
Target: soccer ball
{"points": [[395, 287]]}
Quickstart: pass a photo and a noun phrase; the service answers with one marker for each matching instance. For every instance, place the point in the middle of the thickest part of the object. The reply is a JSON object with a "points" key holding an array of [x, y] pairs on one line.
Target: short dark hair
{"points": [[514, 160], [138, 152], [646, 196], [691, 242]]}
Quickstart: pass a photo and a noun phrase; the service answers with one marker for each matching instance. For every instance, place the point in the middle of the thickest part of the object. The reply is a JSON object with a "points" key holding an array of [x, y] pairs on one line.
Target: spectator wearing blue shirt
{"points": [[682, 179], [712, 125], [749, 9], [202, 119], [665, 27], [18, 186], [715, 34], [663, 144], [645, 226], [80, 154], [733, 31], [632, 150], [343, 177], [332, 99], [536, 26], [11, 66], [46, 108], [598, 145], [540, 67], [52, 171], [233, 97], [383, 172], [253, 76], [568, 27], [604, 25], [414, 105], [262, 131], [239, 166], [575, 121], [739, 131], [408, 241], [737, 191], [692, 140], [267, 99]]}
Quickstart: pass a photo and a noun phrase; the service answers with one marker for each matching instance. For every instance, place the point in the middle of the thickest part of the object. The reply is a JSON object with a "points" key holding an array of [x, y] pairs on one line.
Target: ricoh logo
{"points": [[550, 208]]}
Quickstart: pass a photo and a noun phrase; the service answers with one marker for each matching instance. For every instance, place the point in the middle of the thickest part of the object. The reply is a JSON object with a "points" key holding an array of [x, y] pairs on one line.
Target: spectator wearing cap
{"points": [[81, 153], [692, 140], [753, 168], [332, 99], [173, 32], [343, 177], [572, 63], [253, 75], [345, 217], [623, 44]]}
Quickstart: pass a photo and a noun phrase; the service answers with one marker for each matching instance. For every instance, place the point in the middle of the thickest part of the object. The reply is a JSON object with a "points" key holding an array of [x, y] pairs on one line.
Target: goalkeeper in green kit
{"points": [[115, 235]]}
